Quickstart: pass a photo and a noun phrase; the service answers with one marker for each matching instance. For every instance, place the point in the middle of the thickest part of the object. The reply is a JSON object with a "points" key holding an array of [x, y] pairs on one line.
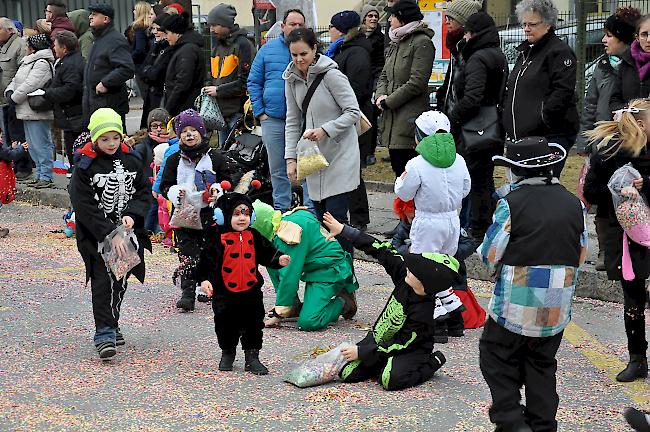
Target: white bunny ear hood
{"points": [[173, 193], [216, 189]]}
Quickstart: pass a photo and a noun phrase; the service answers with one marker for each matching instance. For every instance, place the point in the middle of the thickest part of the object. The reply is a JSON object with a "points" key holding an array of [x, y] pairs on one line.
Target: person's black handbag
{"points": [[40, 103], [484, 131]]}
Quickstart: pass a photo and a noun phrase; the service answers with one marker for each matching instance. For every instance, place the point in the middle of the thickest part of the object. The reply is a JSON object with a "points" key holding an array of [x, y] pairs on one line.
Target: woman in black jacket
{"points": [[619, 143], [633, 78], [372, 30], [66, 91], [186, 69], [154, 70], [541, 99], [481, 82]]}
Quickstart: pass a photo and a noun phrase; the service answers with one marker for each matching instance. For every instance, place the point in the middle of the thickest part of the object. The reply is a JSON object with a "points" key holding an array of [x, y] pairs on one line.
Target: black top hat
{"points": [[531, 152]]}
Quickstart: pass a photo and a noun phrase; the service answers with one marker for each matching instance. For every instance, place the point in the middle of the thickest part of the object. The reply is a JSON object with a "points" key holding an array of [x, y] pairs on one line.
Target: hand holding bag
{"points": [[210, 112]]}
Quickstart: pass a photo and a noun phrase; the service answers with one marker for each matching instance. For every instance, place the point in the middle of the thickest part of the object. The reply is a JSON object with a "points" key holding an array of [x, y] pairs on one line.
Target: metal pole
{"points": [[581, 35]]}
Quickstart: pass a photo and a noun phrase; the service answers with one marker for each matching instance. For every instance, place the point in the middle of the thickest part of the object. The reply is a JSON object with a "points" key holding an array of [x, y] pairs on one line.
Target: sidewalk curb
{"points": [[376, 186], [53, 197]]}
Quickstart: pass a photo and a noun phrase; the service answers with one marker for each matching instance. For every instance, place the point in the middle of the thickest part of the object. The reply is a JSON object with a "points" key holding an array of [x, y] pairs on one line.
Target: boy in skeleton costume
{"points": [[195, 168], [108, 188], [398, 349]]}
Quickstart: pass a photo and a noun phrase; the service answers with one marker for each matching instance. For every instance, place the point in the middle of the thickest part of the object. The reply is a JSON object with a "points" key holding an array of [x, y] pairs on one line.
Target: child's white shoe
{"points": [[450, 300], [440, 313]]}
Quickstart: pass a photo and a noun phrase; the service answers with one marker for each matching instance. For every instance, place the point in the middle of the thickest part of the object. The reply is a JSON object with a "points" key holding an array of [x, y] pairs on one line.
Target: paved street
{"points": [[166, 377]]}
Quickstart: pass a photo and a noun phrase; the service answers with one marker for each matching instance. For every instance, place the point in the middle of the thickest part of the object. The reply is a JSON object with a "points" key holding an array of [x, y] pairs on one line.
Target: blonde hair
{"points": [[631, 138], [142, 15]]}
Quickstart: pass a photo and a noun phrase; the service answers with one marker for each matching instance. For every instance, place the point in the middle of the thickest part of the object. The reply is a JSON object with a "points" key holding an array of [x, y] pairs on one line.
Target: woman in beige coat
{"points": [[34, 72], [330, 121]]}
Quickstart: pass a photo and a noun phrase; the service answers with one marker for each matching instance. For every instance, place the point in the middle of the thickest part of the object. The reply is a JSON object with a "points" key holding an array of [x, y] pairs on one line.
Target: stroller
{"points": [[247, 160]]}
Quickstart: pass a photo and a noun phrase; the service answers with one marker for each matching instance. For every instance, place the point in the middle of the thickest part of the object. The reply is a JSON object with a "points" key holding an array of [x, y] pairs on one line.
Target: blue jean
{"points": [[151, 220], [273, 139], [104, 334], [41, 147], [230, 124]]}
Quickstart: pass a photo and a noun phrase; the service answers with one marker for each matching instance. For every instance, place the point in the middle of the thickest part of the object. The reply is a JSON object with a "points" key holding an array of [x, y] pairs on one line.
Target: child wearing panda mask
{"points": [[229, 274]]}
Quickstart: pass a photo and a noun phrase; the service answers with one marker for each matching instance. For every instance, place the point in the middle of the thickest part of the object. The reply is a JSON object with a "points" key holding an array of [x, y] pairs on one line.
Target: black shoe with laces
{"points": [[119, 337], [106, 350]]}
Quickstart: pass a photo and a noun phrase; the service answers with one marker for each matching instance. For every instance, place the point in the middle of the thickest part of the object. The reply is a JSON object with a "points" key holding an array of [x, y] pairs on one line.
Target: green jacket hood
{"points": [[438, 149]]}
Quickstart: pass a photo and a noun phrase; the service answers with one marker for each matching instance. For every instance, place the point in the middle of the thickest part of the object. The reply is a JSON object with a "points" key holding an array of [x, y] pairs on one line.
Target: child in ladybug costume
{"points": [[228, 269]]}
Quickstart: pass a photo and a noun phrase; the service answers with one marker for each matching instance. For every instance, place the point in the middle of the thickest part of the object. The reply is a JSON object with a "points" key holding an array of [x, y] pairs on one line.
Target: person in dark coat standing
{"points": [[351, 51], [481, 82], [541, 95], [619, 143], [372, 30], [633, 78], [109, 65], [66, 90], [186, 68], [154, 70]]}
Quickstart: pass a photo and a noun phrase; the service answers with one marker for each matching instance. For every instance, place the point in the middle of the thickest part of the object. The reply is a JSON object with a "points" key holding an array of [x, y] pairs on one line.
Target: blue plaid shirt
{"points": [[531, 301]]}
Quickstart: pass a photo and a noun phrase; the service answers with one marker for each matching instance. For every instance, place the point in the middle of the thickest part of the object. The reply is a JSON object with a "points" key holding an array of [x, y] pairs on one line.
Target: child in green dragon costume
{"points": [[398, 349], [322, 264]]}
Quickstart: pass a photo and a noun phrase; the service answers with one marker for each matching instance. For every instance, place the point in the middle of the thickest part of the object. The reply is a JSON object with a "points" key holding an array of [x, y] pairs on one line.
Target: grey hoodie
{"points": [[334, 108]]}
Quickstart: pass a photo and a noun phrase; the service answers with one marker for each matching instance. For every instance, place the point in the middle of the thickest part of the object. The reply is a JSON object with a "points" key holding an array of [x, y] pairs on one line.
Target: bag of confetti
{"points": [[310, 159], [320, 370], [120, 251], [187, 214]]}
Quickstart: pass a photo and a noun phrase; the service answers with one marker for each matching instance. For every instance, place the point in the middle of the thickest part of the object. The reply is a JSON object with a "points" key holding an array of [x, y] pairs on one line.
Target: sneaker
{"points": [[68, 175], [32, 182], [440, 313], [44, 184], [450, 300], [23, 176], [106, 350], [119, 338], [4, 232]]}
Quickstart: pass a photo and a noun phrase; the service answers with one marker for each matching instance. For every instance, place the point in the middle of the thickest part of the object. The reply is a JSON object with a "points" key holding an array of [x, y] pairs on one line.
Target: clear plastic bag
{"points": [[310, 159], [120, 264], [320, 370], [632, 211], [621, 179], [187, 214]]}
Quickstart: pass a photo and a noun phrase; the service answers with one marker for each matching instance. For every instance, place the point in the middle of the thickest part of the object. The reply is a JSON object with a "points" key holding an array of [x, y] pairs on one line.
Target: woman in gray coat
{"points": [[33, 74], [330, 121]]}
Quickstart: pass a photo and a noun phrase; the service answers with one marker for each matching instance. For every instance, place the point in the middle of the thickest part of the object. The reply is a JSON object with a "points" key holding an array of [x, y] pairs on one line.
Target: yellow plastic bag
{"points": [[310, 159]]}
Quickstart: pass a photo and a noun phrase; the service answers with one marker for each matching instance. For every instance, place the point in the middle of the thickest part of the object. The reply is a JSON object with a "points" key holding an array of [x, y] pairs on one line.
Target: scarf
{"points": [[334, 47], [642, 60], [159, 138], [399, 33], [453, 37], [194, 153], [615, 61]]}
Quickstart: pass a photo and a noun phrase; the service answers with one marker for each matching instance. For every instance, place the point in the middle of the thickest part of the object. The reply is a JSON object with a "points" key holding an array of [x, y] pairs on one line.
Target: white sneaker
{"points": [[440, 313], [450, 300]]}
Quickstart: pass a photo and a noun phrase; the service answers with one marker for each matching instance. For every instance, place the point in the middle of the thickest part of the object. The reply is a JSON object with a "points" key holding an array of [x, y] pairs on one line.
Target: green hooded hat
{"points": [[267, 220], [438, 149]]}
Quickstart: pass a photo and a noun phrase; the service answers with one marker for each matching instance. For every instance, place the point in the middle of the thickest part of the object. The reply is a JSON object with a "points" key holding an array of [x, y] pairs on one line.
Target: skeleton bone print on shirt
{"points": [[116, 189]]}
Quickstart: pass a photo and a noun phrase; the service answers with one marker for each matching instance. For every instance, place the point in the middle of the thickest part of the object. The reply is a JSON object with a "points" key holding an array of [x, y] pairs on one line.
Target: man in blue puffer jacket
{"points": [[266, 89]]}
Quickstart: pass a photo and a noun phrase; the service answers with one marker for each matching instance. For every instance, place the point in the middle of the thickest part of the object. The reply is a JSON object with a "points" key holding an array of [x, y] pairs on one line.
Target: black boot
{"points": [[438, 360], [253, 364], [227, 359], [440, 334], [455, 324], [636, 368], [638, 420], [187, 298]]}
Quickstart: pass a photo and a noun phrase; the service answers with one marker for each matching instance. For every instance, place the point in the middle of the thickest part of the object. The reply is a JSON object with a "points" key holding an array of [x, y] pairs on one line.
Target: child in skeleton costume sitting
{"points": [[228, 269], [108, 188], [195, 168], [398, 349]]}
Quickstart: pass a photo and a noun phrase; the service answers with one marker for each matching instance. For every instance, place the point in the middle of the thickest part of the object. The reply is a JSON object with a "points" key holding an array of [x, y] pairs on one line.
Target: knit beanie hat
{"points": [[405, 11], [158, 114], [102, 8], [478, 22], [189, 117], [623, 24], [267, 219], [19, 27], [366, 10], [223, 15], [228, 202], [104, 120], [39, 42], [178, 24], [436, 271], [461, 10], [346, 20]]}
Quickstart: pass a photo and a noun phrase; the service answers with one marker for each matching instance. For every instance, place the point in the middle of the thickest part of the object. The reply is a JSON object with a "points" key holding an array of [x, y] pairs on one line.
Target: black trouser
{"points": [[107, 294], [239, 316], [152, 100], [69, 138], [398, 372], [338, 206], [635, 297], [399, 158], [566, 142], [374, 132], [508, 361], [481, 204], [188, 242], [359, 207], [15, 131]]}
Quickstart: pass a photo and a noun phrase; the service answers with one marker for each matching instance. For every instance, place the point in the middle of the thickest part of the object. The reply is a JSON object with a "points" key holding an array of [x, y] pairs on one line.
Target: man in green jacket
{"points": [[322, 264]]}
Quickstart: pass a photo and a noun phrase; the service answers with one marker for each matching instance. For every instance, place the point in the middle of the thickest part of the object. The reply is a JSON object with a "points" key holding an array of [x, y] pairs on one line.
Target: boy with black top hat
{"points": [[228, 269], [398, 349], [535, 245]]}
